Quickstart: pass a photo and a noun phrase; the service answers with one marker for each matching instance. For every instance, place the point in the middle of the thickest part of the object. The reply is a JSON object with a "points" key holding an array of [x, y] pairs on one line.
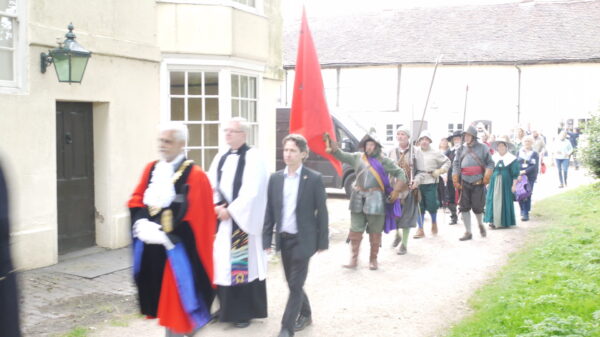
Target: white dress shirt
{"points": [[291, 183]]}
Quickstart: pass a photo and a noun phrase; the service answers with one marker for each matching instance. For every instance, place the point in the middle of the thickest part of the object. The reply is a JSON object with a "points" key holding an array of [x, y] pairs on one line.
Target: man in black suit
{"points": [[296, 207]]}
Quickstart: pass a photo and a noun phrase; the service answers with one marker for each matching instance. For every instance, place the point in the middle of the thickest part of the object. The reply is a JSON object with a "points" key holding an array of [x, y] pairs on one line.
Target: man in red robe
{"points": [[173, 226]]}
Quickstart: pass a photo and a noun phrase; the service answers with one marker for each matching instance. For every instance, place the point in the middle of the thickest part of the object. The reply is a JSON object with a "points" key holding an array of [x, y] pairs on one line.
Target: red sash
{"points": [[471, 170]]}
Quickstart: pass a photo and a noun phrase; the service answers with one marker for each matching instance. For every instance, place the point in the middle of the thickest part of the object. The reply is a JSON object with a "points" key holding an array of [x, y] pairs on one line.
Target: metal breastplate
{"points": [[362, 200], [365, 178]]}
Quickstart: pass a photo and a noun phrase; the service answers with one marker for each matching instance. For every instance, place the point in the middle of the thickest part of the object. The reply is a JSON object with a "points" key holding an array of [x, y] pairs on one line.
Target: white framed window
{"points": [[244, 103], [451, 128], [250, 3], [250, 6], [8, 42], [390, 131], [194, 100], [203, 93]]}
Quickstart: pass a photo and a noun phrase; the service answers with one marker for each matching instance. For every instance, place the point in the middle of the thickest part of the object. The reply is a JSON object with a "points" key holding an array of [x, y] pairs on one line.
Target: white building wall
{"points": [[549, 94]]}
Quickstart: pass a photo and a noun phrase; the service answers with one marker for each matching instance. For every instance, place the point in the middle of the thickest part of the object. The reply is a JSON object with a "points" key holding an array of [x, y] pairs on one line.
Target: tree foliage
{"points": [[590, 147]]}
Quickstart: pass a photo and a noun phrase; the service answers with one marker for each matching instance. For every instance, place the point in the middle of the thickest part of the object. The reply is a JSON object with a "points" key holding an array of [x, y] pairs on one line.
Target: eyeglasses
{"points": [[232, 131]]}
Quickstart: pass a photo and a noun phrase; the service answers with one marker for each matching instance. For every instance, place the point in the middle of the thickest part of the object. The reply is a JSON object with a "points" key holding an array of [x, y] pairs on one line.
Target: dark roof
{"points": [[531, 32]]}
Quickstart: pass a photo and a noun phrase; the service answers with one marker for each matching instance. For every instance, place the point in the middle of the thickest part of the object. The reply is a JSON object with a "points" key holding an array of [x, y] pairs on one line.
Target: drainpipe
{"points": [[518, 95]]}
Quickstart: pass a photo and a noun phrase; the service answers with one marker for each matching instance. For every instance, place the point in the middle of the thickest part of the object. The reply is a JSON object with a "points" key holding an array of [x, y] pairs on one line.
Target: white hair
{"points": [[243, 122], [180, 130]]}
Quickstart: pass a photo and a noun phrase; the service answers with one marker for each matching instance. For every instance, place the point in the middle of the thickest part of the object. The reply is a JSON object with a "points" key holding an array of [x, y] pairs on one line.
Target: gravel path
{"points": [[419, 294]]}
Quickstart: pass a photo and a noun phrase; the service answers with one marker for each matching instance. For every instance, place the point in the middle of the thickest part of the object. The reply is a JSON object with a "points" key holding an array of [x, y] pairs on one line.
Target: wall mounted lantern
{"points": [[69, 59]]}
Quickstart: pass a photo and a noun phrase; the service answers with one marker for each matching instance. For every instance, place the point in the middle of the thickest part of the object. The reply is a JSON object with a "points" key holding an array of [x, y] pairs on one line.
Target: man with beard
{"points": [[471, 171], [173, 229], [456, 142], [404, 158], [374, 203]]}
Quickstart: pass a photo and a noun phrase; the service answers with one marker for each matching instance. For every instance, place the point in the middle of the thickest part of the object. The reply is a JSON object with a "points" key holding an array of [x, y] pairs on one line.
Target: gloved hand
{"points": [[150, 232], [455, 182], [436, 173]]}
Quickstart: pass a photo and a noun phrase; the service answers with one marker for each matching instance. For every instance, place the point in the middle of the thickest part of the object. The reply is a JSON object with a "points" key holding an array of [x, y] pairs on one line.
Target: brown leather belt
{"points": [[478, 182]]}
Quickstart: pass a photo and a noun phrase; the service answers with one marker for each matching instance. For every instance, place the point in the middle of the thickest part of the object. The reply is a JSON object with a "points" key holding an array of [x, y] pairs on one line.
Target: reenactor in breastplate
{"points": [[369, 198]]}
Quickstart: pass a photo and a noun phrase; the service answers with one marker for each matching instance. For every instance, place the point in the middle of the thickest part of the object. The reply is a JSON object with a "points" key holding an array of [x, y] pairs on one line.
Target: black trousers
{"points": [[296, 270], [472, 197]]}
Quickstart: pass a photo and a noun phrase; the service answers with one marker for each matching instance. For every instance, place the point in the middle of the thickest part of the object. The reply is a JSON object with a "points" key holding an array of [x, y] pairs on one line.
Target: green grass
{"points": [[77, 332], [552, 286]]}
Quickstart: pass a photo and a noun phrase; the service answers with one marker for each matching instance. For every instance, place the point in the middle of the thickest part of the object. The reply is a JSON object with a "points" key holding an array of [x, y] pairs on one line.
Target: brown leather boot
{"points": [[434, 229], [420, 233], [355, 238], [375, 241]]}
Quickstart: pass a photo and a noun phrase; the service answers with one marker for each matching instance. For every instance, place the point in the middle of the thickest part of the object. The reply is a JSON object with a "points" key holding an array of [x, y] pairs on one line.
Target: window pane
{"points": [[235, 86], [6, 65], [251, 3], [211, 135], [195, 109], [9, 6], [251, 111], [177, 83], [212, 109], [253, 136], [195, 134], [177, 106], [6, 32], [244, 86], [244, 112], [235, 108], [194, 83], [252, 87], [209, 155], [195, 155], [211, 83]]}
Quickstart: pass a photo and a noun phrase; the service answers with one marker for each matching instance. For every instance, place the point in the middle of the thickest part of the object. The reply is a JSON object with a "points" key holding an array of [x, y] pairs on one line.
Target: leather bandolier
{"points": [[404, 162]]}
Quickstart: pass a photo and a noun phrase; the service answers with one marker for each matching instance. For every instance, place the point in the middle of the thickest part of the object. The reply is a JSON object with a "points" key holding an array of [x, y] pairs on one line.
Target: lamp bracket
{"points": [[45, 60]]}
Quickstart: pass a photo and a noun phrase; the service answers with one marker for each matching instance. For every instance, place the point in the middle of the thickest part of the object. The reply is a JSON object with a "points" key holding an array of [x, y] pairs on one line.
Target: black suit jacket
{"points": [[312, 218]]}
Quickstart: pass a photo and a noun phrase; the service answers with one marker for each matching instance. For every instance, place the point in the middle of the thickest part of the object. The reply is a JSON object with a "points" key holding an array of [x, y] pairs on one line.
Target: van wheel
{"points": [[348, 184]]}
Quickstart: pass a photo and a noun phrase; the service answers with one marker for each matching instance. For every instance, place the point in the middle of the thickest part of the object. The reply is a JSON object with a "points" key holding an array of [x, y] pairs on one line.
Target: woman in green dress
{"points": [[499, 202]]}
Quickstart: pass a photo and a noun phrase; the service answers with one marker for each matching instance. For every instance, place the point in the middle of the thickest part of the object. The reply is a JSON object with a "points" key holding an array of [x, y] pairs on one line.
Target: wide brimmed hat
{"points": [[503, 139], [472, 131], [454, 134], [371, 136]]}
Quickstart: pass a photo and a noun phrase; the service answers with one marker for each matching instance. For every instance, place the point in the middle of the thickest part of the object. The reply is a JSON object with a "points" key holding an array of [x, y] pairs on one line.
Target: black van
{"points": [[346, 133]]}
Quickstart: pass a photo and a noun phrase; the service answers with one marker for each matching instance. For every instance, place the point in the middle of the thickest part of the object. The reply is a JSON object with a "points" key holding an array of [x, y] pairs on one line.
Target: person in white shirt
{"points": [[297, 209]]}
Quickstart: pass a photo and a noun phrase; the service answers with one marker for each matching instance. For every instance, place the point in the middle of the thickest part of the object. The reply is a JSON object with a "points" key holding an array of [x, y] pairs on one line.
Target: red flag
{"points": [[310, 116]]}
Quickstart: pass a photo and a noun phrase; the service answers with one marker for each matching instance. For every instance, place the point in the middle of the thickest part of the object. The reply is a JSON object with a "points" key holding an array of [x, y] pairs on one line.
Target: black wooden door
{"points": [[75, 176]]}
